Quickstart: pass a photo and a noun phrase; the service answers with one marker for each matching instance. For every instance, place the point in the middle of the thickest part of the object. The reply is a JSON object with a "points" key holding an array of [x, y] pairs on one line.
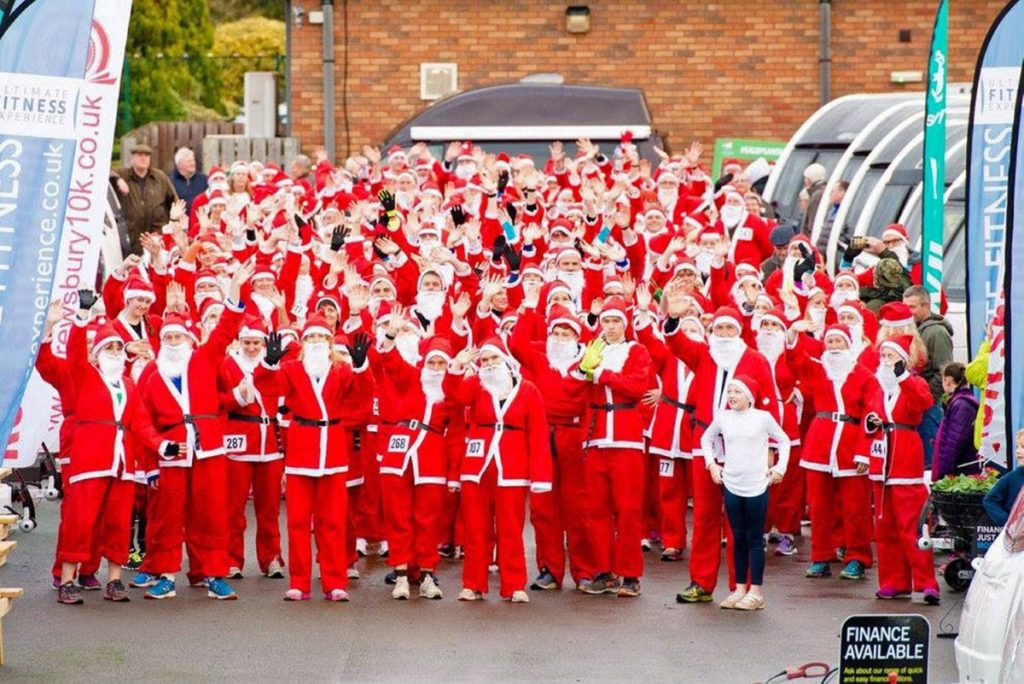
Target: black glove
{"points": [[899, 368], [387, 200], [338, 237], [86, 299], [514, 258], [723, 181], [172, 449], [500, 243], [511, 209], [275, 349], [805, 265], [379, 252], [250, 235], [670, 325], [358, 349], [873, 422], [458, 216], [502, 182]]}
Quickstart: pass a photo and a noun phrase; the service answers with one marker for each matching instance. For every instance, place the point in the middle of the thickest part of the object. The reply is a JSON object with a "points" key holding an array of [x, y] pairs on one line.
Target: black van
{"points": [[524, 118]]}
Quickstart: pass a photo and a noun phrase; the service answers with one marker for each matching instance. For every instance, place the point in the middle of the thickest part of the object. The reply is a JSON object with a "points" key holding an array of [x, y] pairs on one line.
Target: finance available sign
{"points": [[879, 649]]}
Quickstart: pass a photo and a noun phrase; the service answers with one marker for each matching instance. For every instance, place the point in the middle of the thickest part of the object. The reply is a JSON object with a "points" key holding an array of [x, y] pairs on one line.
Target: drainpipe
{"points": [[825, 56], [288, 68], [328, 9]]}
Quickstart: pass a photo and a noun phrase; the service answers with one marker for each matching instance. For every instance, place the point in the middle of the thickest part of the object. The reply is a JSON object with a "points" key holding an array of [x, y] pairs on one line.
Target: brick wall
{"points": [[709, 69]]}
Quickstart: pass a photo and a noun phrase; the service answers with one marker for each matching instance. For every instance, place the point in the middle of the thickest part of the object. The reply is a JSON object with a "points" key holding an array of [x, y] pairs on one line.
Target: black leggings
{"points": [[746, 518]]}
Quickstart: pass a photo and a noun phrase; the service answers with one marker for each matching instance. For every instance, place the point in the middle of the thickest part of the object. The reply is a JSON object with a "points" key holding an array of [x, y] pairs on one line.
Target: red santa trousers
{"points": [[189, 505], [709, 524], [785, 505], [652, 501], [901, 565], [853, 493], [316, 507], [615, 509], [368, 515], [86, 567], [484, 507], [96, 519], [673, 491], [559, 513], [265, 481], [412, 515]]}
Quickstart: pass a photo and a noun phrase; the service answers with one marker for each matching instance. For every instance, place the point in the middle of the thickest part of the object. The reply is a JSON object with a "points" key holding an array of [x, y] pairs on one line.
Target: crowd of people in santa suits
{"points": [[419, 353]]}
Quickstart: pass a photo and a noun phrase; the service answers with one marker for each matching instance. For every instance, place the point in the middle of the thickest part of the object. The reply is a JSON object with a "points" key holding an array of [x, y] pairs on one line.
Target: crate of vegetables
{"points": [[958, 499]]}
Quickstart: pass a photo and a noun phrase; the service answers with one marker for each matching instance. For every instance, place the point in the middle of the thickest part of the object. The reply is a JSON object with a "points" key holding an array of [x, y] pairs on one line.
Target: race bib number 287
{"points": [[234, 444]]}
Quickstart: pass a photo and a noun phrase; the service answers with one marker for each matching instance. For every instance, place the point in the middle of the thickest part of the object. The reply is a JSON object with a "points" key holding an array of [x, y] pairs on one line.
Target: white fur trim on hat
{"points": [[175, 328], [742, 386], [718, 320], [99, 343], [889, 344], [613, 313], [139, 294], [840, 333], [317, 330], [567, 322]]}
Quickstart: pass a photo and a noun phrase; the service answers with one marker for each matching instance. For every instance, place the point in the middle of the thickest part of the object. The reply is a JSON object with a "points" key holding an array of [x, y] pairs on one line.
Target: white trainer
{"points": [[275, 569], [382, 549], [234, 572], [361, 547], [401, 590], [520, 596], [429, 588], [353, 573], [470, 595]]}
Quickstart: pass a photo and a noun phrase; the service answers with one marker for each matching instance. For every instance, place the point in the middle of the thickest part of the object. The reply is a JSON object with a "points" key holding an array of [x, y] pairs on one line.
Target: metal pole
{"points": [[288, 68], [329, 142], [825, 57]]}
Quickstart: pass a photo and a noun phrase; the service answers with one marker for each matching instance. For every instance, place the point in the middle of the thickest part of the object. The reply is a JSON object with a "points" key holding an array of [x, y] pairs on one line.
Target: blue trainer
{"points": [[143, 580], [163, 589], [818, 569], [219, 589], [854, 570]]}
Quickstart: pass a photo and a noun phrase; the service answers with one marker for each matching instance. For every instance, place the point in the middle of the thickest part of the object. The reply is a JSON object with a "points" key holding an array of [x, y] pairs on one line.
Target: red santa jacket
{"points": [[896, 453], [511, 435], [192, 414], [614, 418], [836, 431], [707, 391], [751, 243], [250, 428], [56, 372], [317, 442], [416, 437], [671, 429], [108, 418]]}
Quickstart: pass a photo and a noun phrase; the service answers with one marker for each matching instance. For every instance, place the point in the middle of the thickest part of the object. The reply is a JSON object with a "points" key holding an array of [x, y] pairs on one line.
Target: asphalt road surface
{"points": [[559, 636]]}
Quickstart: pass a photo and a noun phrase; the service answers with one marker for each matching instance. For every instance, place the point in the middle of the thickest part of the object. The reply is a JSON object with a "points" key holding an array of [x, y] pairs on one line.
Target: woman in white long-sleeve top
{"points": [[742, 462]]}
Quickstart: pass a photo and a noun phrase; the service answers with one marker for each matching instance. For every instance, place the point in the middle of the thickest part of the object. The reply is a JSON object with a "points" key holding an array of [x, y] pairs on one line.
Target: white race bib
{"points": [[878, 448], [398, 444], [667, 467], [475, 448], [234, 444], [744, 234]]}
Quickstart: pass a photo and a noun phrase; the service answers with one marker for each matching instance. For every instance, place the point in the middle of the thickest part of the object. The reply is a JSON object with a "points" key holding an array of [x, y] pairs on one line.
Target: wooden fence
{"points": [[224, 149], [165, 137]]}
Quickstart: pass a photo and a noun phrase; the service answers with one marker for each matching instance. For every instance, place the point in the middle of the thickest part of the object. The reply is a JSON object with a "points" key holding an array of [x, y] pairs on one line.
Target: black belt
{"points": [[613, 407], [417, 425], [190, 419], [889, 427], [306, 422], [249, 418], [499, 427], [678, 404], [701, 423], [838, 417], [563, 422], [116, 423]]}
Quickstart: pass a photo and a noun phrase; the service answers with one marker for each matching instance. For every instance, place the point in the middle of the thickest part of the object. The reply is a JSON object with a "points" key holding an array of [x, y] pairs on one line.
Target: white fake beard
{"points": [[703, 262], [575, 281], [433, 385], [404, 200], [465, 171], [903, 254], [771, 343], [426, 247], [316, 358], [374, 304], [172, 360], [887, 378], [111, 366], [497, 380], [726, 351], [303, 288], [265, 306], [731, 216], [201, 297], [561, 354], [408, 346], [247, 364], [857, 333], [837, 364], [430, 304], [668, 198], [614, 357], [840, 297], [816, 314]]}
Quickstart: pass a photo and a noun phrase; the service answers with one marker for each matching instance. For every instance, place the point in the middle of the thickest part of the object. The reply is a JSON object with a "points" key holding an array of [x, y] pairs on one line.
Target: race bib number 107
{"points": [[475, 448]]}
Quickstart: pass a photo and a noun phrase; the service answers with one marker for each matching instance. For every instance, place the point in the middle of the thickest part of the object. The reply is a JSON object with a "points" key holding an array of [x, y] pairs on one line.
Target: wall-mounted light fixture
{"points": [[577, 19]]}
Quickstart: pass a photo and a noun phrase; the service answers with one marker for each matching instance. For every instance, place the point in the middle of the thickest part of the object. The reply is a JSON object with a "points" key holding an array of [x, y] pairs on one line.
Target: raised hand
{"points": [[643, 297], [86, 299], [466, 357], [358, 349], [460, 306], [242, 275], [338, 236], [458, 215], [502, 182], [358, 296], [387, 200], [275, 349], [177, 210]]}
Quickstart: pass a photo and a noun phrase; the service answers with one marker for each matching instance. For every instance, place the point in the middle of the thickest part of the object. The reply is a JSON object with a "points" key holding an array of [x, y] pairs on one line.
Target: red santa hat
{"points": [[894, 231], [262, 271], [436, 346], [561, 225], [901, 344], [777, 316], [317, 325], [502, 161], [563, 253], [326, 297], [613, 286], [655, 210], [839, 330], [210, 306], [465, 152], [866, 316], [341, 341], [137, 288], [431, 188], [614, 307], [560, 315], [396, 152], [550, 289], [383, 278], [215, 173], [667, 178], [495, 344], [715, 230], [253, 328], [749, 387], [659, 243], [176, 323], [895, 315], [105, 334], [217, 197], [727, 315], [685, 264], [847, 275], [206, 277]]}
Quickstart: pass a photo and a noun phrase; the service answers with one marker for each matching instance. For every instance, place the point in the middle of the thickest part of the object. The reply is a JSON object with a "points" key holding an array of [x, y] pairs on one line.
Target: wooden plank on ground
{"points": [[5, 548]]}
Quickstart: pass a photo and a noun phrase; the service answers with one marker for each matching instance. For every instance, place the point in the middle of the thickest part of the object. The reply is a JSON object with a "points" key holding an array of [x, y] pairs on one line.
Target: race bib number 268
{"points": [[398, 444]]}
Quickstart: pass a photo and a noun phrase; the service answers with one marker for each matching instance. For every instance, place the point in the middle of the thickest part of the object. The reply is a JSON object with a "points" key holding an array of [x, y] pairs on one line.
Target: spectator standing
{"points": [[937, 334], [187, 182], [1000, 499], [146, 194], [814, 183], [836, 195], [955, 453], [779, 237]]}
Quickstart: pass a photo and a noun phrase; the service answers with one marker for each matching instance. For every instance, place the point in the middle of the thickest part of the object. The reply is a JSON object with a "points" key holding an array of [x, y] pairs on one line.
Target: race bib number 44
{"points": [[475, 448], [234, 444], [878, 448], [398, 444]]}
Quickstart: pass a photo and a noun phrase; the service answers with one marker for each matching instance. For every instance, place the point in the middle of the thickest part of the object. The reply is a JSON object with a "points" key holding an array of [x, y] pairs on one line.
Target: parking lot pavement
{"points": [[558, 636]]}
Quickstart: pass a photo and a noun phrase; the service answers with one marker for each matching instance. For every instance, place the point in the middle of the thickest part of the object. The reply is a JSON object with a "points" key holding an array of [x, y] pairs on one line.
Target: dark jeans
{"points": [[746, 518], [928, 429]]}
